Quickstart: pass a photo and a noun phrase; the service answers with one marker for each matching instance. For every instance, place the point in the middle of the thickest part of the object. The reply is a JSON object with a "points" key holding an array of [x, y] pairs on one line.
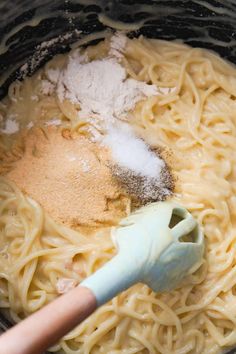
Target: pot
{"points": [[32, 32]]}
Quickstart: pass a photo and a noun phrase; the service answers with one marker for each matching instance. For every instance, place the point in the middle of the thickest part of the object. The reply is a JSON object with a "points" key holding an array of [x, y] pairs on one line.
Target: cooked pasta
{"points": [[195, 121]]}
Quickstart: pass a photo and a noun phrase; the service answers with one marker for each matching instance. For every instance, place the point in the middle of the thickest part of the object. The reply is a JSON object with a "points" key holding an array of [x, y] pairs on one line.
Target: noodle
{"points": [[196, 122]]}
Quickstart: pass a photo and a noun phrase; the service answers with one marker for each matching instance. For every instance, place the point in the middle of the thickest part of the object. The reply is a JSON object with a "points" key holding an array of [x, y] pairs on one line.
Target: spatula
{"points": [[158, 245]]}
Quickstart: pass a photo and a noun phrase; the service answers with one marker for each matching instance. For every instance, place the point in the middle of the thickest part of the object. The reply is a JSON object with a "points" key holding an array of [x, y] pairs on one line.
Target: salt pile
{"points": [[142, 172]]}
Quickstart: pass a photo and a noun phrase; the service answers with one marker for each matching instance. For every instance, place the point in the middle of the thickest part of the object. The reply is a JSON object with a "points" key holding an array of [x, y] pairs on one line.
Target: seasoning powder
{"points": [[69, 177]]}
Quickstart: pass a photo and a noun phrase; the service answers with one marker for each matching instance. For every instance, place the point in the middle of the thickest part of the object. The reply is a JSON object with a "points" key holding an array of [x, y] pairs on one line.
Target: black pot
{"points": [[26, 24]]}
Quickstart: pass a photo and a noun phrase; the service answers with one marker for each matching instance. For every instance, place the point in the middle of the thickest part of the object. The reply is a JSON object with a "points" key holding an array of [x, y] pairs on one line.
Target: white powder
{"points": [[85, 166], [11, 127], [24, 67], [101, 88], [53, 121], [74, 158], [130, 152], [71, 157], [42, 50], [30, 125], [93, 130], [47, 88], [34, 98], [117, 45], [53, 75], [24, 70]]}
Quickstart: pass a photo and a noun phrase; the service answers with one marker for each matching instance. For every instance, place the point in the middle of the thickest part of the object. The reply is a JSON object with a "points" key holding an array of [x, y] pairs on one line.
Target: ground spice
{"points": [[69, 177], [143, 189]]}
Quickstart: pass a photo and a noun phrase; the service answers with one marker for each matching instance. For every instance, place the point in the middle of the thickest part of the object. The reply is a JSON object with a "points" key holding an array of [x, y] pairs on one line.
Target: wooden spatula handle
{"points": [[45, 327]]}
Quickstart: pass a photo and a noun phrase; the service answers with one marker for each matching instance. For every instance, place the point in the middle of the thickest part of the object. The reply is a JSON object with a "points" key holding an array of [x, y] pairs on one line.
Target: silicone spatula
{"points": [[158, 245]]}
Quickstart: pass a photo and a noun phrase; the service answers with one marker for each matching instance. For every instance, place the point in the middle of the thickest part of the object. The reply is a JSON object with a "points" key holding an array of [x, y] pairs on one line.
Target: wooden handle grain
{"points": [[44, 328]]}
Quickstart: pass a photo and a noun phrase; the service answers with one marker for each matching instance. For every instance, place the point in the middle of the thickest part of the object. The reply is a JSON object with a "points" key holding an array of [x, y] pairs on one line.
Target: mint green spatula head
{"points": [[158, 245], [163, 242]]}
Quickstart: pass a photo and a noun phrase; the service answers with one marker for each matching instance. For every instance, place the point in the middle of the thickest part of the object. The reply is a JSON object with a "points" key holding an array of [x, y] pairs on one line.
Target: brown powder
{"points": [[69, 177]]}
